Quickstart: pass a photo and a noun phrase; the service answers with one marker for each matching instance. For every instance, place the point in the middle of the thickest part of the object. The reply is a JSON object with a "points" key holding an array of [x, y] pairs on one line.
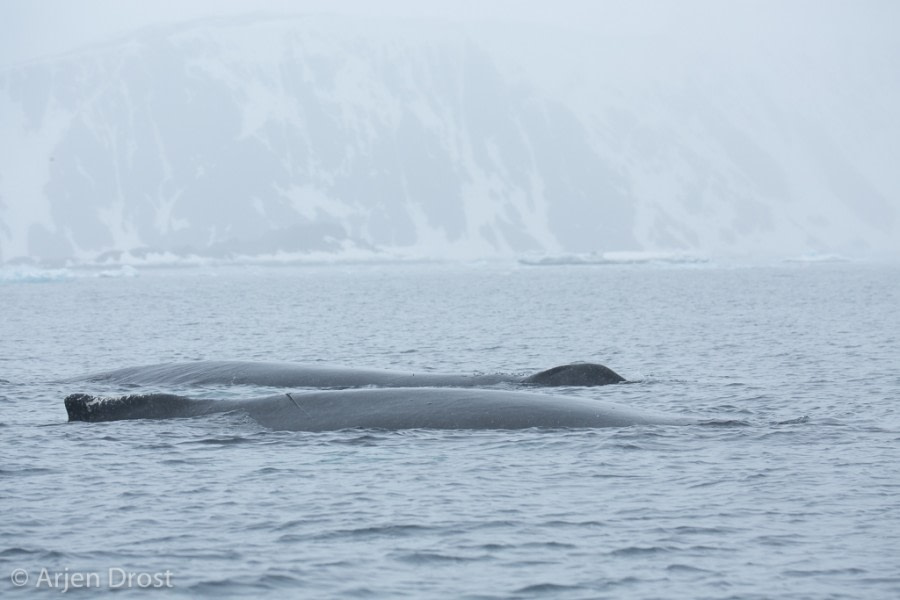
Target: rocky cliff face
{"points": [[299, 135]]}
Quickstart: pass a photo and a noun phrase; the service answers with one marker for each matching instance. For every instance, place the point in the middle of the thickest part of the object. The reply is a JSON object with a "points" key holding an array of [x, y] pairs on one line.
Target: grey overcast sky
{"points": [[31, 29]]}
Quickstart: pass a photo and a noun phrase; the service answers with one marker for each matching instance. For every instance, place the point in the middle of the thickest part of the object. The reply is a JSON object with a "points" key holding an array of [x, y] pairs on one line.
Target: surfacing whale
{"points": [[382, 408], [274, 374]]}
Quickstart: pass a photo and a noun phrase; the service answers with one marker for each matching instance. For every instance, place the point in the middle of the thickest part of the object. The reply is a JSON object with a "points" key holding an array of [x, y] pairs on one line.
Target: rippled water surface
{"points": [[794, 493]]}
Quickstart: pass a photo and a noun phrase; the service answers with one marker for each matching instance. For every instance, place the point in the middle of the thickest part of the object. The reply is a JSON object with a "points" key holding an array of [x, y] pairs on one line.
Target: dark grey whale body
{"points": [[390, 400], [291, 375], [406, 408]]}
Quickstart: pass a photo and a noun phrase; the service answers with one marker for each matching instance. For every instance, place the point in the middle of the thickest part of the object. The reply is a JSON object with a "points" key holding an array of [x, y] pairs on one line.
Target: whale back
{"points": [[286, 375], [380, 408], [575, 374], [296, 375]]}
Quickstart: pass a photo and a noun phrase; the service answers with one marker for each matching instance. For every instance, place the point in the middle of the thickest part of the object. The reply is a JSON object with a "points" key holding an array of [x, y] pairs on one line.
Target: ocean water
{"points": [[794, 494]]}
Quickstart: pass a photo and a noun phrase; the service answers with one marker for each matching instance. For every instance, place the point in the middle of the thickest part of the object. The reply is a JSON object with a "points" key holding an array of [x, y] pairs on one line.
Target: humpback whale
{"points": [[274, 374], [380, 408]]}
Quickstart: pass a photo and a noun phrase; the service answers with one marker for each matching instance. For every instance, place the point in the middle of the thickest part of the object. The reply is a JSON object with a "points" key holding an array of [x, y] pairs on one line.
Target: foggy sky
{"points": [[30, 29]]}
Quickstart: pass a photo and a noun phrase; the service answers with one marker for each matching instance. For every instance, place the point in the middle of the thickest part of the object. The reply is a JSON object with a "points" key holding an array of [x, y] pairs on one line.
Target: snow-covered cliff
{"points": [[331, 135]]}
